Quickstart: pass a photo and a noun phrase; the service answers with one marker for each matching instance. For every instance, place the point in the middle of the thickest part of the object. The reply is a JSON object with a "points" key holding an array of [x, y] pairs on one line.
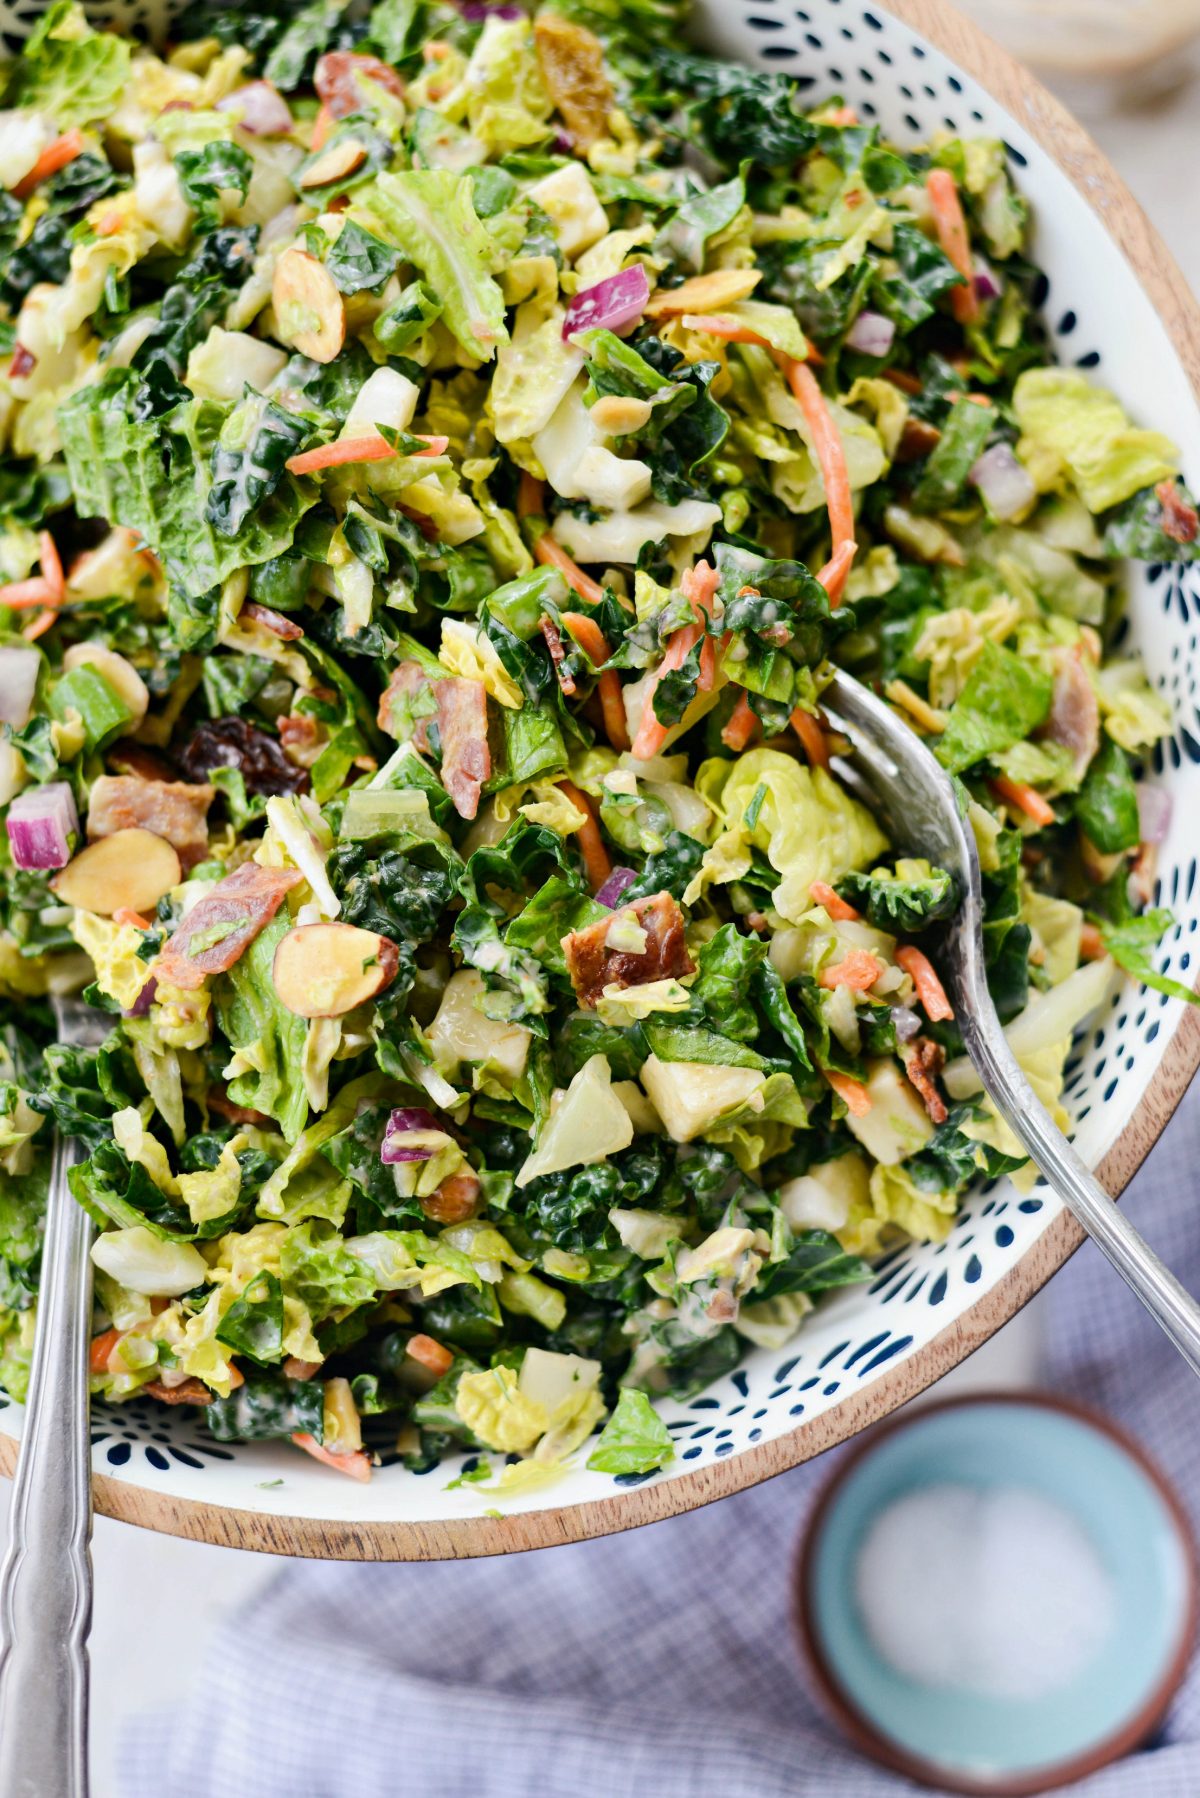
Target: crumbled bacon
{"points": [[1074, 720], [23, 362], [336, 79], [246, 900], [169, 808], [272, 621], [917, 439], [461, 711], [188, 1392], [592, 965], [558, 654], [455, 1200], [303, 738], [923, 1062], [1180, 521]]}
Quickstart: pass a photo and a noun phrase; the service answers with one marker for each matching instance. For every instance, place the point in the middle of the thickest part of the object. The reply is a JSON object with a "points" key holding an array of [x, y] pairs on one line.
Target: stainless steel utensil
{"points": [[896, 776], [46, 1581]]}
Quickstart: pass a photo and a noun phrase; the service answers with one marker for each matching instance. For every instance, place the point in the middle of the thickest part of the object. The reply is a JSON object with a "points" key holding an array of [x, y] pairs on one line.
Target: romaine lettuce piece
{"points": [[69, 71], [430, 216], [1003, 702], [634, 1440], [1066, 416]]}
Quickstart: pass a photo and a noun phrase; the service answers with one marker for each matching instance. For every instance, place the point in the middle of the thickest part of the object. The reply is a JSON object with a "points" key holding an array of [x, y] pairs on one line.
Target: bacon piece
{"points": [[558, 654], [1074, 720], [923, 1062], [1180, 522], [336, 79], [303, 738], [275, 622], [917, 439], [455, 1200], [170, 808], [592, 965], [246, 900], [462, 727], [188, 1392]]}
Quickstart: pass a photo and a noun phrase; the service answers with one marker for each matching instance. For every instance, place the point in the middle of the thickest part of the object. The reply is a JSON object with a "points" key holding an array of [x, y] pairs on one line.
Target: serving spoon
{"points": [[46, 1581], [895, 775]]}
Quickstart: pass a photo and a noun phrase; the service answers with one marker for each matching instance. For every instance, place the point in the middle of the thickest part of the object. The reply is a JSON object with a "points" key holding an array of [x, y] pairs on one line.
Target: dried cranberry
{"points": [[232, 743]]}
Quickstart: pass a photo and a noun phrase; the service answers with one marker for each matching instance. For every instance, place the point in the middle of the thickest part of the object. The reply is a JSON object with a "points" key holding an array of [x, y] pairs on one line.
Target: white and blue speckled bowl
{"points": [[1114, 303]]}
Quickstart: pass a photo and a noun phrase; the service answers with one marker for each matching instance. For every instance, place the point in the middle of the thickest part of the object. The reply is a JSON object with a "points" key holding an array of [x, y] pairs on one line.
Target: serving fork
{"points": [[46, 1580], [894, 774]]}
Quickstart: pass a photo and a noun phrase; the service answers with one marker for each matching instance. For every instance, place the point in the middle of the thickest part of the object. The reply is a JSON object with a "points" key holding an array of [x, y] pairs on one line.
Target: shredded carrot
{"points": [[52, 568], [40, 625], [858, 970], [55, 156], [729, 330], [357, 1465], [700, 585], [956, 245], [125, 914], [836, 572], [101, 1348], [831, 458], [357, 449], [550, 552], [855, 1094], [821, 893], [592, 641], [930, 990], [1091, 944], [812, 738], [597, 863], [431, 1354], [841, 115], [741, 724], [20, 595], [1023, 798], [236, 1377], [322, 126], [530, 492]]}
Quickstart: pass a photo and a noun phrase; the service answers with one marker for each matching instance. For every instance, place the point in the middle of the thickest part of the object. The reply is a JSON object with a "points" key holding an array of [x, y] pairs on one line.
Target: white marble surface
{"points": [[157, 1599]]}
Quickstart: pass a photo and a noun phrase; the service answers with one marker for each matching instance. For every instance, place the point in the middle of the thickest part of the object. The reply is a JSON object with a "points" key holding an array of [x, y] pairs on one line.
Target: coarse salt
{"points": [[995, 1591]]}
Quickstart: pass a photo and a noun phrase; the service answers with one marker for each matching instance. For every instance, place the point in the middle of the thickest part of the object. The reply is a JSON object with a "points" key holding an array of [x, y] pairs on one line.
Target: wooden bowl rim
{"points": [[857, 1724], [1067, 144]]}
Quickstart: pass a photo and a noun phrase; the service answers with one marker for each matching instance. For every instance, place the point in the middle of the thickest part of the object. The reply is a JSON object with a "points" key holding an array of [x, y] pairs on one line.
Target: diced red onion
{"points": [[988, 285], [406, 1123], [260, 108], [562, 143], [614, 886], [18, 678], [871, 334], [905, 1022], [1154, 811], [144, 1000], [41, 824], [478, 12], [1004, 483], [612, 304]]}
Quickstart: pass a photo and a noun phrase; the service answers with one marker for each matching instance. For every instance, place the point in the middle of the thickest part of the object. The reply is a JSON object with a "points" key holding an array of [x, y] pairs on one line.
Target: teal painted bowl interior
{"points": [[1065, 1459]]}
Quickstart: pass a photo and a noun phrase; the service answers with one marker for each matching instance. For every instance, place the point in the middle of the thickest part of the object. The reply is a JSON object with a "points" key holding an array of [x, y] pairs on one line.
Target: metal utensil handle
{"points": [[46, 1582], [1173, 1308]]}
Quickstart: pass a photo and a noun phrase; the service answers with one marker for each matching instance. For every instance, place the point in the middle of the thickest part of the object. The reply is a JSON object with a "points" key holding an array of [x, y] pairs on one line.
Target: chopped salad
{"points": [[447, 449]]}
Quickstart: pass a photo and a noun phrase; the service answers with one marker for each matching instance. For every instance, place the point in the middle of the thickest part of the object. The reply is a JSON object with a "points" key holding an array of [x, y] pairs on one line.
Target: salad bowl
{"points": [[1114, 303]]}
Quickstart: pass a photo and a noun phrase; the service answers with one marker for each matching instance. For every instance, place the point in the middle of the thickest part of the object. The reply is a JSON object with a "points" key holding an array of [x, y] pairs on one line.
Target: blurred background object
{"points": [[1093, 39]]}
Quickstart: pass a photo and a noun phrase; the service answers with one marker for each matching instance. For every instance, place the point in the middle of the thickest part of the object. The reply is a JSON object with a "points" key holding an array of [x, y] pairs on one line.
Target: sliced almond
{"points": [[131, 869], [340, 159], [704, 293], [309, 310], [324, 970], [616, 414], [121, 676]]}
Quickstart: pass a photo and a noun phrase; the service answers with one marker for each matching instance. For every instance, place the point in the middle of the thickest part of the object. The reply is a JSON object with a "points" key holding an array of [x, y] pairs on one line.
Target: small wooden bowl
{"points": [[1005, 1748]]}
